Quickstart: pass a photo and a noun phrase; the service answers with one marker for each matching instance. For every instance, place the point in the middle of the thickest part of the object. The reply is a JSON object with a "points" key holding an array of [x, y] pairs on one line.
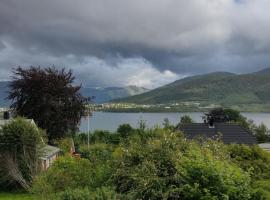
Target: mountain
{"points": [[220, 88], [101, 94]]}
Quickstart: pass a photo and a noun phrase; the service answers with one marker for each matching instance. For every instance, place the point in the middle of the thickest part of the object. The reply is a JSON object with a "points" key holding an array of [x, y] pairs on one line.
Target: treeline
{"points": [[156, 163]]}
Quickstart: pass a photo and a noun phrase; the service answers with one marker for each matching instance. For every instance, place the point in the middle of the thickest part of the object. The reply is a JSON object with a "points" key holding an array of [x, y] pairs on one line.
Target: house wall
{"points": [[49, 161]]}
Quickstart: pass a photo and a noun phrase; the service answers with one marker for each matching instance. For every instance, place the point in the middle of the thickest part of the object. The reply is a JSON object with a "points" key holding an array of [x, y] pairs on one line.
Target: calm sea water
{"points": [[110, 121]]}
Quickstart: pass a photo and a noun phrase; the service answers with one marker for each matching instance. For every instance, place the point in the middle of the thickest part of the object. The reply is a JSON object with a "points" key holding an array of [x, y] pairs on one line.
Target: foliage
{"points": [[104, 137], [66, 172], [251, 159], [103, 193], [169, 167], [100, 156], [49, 97], [158, 164], [65, 145], [204, 177], [261, 190], [20, 148], [124, 130], [15, 196], [186, 119], [167, 125], [262, 133], [222, 115], [69, 176]]}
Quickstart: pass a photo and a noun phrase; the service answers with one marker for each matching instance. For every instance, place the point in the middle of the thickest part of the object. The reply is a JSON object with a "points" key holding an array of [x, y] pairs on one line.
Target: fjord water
{"points": [[110, 121]]}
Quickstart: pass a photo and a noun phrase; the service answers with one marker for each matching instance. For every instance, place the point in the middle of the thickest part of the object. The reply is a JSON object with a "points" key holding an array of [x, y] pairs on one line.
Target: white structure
{"points": [[265, 146], [50, 154]]}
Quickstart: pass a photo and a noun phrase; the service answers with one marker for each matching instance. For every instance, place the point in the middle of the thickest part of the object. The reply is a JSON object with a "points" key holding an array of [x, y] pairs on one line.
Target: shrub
{"points": [[186, 119], [100, 136], [65, 145], [204, 177], [169, 167], [251, 159], [20, 149], [66, 172], [100, 156], [124, 130], [103, 193], [261, 190]]}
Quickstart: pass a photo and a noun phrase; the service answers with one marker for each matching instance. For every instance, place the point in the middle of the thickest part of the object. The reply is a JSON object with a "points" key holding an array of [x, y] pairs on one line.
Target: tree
{"points": [[49, 97], [222, 115], [124, 130], [186, 119], [20, 148], [262, 133]]}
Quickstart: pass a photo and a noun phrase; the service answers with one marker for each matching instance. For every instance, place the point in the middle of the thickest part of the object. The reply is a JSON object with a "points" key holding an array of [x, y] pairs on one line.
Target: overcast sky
{"points": [[135, 42]]}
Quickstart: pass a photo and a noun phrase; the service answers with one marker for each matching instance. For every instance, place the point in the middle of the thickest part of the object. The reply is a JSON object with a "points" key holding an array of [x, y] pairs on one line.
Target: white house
{"points": [[49, 153]]}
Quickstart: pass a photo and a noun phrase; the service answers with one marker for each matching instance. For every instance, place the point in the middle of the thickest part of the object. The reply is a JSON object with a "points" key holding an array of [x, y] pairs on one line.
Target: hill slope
{"points": [[220, 88], [102, 95]]}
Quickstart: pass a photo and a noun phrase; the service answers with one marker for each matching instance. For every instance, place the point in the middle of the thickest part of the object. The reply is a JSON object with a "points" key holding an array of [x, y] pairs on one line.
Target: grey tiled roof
{"points": [[230, 133]]}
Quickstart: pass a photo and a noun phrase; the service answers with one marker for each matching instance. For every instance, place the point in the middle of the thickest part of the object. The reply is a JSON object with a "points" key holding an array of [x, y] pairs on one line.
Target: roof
{"points": [[230, 133], [48, 151]]}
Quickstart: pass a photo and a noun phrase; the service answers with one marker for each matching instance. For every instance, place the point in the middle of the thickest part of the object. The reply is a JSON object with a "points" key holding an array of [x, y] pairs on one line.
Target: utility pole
{"points": [[88, 129]]}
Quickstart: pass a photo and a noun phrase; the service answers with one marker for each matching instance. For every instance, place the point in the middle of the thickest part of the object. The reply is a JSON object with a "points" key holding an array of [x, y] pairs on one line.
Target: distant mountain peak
{"points": [[264, 71]]}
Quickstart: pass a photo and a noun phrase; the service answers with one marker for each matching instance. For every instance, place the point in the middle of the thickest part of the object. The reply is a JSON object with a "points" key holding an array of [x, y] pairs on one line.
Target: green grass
{"points": [[15, 196]]}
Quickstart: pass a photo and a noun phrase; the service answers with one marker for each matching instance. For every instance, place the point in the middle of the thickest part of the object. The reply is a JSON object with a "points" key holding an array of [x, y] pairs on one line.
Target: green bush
{"points": [[99, 136], [205, 177], [251, 159], [66, 172], [124, 130], [20, 148], [65, 144], [169, 167], [85, 194], [261, 190], [100, 157]]}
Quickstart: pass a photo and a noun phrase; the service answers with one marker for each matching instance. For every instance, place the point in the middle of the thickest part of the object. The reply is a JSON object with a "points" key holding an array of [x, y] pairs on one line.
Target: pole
{"points": [[88, 129]]}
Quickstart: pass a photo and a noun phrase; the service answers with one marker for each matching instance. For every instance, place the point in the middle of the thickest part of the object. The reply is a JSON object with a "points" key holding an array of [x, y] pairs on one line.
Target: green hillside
{"points": [[102, 95], [219, 88]]}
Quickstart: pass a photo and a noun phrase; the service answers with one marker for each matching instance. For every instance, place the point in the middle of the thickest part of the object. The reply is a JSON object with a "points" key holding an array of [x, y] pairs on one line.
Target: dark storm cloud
{"points": [[163, 39]]}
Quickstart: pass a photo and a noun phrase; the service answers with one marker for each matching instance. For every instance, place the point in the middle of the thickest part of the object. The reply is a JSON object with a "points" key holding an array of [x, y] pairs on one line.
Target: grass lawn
{"points": [[15, 196]]}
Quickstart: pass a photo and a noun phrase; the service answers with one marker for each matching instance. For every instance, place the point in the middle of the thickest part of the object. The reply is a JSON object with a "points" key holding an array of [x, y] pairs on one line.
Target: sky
{"points": [[146, 43]]}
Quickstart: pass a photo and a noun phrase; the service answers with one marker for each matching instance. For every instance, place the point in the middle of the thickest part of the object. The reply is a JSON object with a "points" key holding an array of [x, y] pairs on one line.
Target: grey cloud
{"points": [[185, 37]]}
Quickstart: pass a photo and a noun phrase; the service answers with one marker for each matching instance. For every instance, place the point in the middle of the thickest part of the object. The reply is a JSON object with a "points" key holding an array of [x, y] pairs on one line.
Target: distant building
{"points": [[49, 155], [229, 133]]}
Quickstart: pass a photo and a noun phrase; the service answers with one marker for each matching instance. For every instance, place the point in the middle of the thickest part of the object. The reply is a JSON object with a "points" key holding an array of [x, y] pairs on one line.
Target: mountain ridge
{"points": [[101, 94], [222, 88]]}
